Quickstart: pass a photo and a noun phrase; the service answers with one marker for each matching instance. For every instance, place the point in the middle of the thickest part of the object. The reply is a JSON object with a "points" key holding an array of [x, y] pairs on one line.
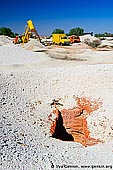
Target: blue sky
{"points": [[94, 16]]}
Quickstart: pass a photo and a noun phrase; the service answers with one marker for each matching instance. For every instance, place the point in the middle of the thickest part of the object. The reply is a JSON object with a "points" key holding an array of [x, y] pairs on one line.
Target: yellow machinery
{"points": [[60, 39], [30, 28]]}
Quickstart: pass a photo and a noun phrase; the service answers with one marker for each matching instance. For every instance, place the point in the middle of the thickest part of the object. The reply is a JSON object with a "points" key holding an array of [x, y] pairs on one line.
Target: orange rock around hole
{"points": [[71, 124]]}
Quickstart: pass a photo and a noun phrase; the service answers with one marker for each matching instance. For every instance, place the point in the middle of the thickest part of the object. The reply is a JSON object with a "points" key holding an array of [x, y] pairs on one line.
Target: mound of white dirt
{"points": [[12, 54], [34, 45], [4, 40], [91, 38]]}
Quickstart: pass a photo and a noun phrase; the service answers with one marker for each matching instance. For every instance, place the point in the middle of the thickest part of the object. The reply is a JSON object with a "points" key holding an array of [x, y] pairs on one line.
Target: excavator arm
{"points": [[30, 28]]}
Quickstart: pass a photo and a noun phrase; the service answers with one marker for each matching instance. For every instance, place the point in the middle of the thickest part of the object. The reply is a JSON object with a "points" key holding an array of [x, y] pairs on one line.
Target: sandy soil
{"points": [[29, 81]]}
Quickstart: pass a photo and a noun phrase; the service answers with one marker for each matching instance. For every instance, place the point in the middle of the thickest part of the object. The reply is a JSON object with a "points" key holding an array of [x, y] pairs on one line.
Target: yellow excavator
{"points": [[30, 29]]}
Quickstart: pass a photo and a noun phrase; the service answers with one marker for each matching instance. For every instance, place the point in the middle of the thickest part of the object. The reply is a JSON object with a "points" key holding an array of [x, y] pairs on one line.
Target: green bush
{"points": [[7, 31], [106, 34], [76, 31], [58, 31]]}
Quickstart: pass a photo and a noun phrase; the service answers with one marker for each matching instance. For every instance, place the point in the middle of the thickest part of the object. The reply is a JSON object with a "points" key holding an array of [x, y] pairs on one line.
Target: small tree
{"points": [[6, 31], [58, 31], [76, 31]]}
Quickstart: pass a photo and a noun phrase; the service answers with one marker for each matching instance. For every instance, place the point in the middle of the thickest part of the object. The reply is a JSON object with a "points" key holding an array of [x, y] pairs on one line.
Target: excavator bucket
{"points": [[30, 25]]}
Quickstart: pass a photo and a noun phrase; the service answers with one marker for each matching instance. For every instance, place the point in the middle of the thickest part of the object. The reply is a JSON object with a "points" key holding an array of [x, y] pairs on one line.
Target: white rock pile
{"points": [[12, 54], [4, 40], [34, 45]]}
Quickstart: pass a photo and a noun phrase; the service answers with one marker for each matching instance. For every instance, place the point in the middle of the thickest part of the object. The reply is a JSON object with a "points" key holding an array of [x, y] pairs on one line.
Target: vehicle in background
{"points": [[74, 39], [60, 39]]}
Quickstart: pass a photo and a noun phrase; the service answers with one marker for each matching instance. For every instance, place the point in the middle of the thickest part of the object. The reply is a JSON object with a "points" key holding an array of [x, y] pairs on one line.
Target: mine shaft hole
{"points": [[60, 130]]}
